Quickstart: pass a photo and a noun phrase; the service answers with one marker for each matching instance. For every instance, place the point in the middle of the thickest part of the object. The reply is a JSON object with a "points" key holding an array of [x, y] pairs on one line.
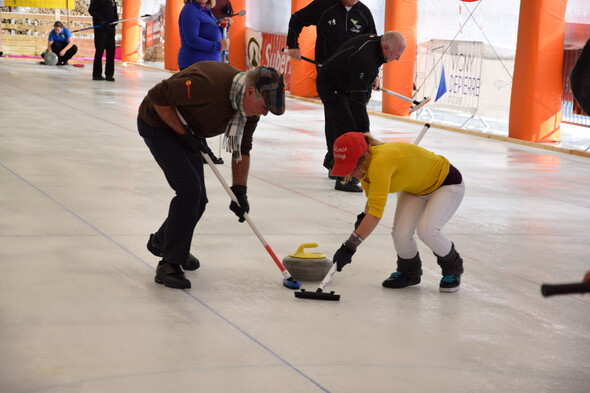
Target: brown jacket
{"points": [[201, 94]]}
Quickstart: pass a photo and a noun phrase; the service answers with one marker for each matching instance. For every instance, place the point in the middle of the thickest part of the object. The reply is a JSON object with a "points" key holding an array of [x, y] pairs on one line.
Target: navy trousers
{"points": [[184, 172], [104, 41]]}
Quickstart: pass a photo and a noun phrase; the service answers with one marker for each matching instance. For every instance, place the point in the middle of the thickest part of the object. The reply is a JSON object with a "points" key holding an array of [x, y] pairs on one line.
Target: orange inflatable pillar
{"points": [[303, 73], [535, 104], [131, 31], [172, 34], [237, 36], [398, 76]]}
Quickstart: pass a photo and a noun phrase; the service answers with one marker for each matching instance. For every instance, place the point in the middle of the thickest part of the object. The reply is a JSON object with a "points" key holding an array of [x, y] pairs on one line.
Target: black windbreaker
{"points": [[335, 25], [103, 11], [352, 71]]}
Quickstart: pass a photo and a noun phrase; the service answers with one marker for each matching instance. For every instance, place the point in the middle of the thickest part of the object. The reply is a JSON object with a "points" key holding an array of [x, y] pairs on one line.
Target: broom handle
{"points": [[246, 216], [421, 134]]}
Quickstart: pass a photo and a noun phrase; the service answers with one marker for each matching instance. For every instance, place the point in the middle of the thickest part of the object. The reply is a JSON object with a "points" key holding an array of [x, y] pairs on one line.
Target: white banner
{"points": [[453, 79]]}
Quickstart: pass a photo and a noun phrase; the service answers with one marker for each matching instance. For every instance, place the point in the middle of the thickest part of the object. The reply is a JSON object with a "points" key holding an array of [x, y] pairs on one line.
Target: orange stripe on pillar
{"points": [[398, 76], [172, 34], [131, 32], [535, 105], [237, 36], [303, 73]]}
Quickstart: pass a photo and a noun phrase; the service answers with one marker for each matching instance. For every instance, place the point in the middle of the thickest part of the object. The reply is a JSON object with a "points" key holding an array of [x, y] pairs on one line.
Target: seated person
{"points": [[61, 43]]}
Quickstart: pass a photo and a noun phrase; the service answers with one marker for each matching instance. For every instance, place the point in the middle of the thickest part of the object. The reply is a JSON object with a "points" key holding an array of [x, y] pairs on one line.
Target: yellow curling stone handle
{"points": [[311, 255]]}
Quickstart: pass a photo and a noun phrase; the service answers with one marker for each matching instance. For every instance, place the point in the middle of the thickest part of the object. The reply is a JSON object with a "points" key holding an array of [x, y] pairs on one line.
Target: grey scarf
{"points": [[235, 128]]}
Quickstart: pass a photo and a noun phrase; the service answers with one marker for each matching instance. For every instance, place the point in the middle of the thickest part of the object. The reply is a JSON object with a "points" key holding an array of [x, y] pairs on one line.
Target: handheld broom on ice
{"points": [[319, 293], [415, 103], [111, 23], [288, 281]]}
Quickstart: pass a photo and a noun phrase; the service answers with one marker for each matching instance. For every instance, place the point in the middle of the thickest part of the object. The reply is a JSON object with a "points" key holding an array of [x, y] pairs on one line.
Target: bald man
{"points": [[344, 84]]}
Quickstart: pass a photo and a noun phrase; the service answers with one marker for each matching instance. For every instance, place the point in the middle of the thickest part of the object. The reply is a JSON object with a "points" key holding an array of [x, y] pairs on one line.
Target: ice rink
{"points": [[80, 312]]}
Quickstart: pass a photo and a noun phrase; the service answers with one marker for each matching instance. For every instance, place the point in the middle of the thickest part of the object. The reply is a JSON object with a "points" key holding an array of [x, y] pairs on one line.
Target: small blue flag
{"points": [[442, 85]]}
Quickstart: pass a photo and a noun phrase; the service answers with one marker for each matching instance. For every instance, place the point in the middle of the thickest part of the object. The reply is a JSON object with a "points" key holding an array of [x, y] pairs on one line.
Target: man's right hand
{"points": [[244, 206], [295, 53]]}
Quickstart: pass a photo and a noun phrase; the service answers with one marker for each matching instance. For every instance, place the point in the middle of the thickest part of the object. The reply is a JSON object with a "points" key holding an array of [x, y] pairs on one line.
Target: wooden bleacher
{"points": [[26, 34]]}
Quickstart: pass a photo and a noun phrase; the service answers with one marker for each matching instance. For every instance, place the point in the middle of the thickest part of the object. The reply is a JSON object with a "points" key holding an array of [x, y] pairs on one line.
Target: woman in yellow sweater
{"points": [[429, 191]]}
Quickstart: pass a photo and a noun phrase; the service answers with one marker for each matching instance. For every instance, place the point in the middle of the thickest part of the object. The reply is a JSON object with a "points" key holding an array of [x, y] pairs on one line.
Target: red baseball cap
{"points": [[348, 148]]}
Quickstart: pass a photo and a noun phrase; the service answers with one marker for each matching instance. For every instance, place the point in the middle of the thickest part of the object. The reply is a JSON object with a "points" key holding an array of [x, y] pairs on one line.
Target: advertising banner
{"points": [[267, 49]]}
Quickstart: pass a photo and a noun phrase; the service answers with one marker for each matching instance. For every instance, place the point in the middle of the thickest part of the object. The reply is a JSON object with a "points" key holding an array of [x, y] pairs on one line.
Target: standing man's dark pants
{"points": [[338, 119], [184, 171], [57, 46], [104, 40]]}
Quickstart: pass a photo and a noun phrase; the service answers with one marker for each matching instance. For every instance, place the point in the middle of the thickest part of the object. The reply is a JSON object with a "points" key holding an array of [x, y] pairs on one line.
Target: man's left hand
{"points": [[377, 84]]}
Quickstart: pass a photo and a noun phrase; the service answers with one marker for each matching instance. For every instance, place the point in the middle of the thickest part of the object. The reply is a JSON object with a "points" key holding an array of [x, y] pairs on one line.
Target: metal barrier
{"points": [[571, 111]]}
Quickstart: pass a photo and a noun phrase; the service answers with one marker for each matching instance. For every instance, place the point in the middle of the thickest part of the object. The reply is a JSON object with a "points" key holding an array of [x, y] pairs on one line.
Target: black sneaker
{"points": [[218, 161], [155, 248], [351, 186], [400, 280], [110, 79], [171, 275], [450, 283], [98, 78]]}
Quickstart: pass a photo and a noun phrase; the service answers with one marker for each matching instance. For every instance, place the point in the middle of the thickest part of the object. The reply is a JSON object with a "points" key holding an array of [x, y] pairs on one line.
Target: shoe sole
{"points": [[159, 281], [449, 290], [399, 287]]}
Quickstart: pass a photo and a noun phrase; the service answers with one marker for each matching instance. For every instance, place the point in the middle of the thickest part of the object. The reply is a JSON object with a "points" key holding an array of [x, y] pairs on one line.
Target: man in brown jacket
{"points": [[204, 100]]}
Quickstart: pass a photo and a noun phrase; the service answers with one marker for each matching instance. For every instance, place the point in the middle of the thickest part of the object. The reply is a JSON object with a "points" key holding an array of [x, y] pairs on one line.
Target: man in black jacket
{"points": [[336, 21], [104, 12], [344, 84]]}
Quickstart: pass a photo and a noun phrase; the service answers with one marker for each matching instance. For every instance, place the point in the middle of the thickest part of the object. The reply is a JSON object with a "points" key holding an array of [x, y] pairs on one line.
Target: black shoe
{"points": [[450, 283], [61, 63], [98, 78], [155, 248], [42, 63], [400, 280], [171, 275], [110, 79], [351, 186], [215, 160]]}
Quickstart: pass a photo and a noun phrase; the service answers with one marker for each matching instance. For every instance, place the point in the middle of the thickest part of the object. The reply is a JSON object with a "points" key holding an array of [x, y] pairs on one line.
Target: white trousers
{"points": [[425, 215]]}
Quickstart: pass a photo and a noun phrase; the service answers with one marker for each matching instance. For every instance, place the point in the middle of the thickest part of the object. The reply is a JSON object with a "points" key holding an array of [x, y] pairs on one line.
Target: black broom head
{"points": [[317, 295]]}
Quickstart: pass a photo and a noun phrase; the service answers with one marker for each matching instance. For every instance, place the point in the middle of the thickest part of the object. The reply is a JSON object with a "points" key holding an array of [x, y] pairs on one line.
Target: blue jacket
{"points": [[63, 37], [199, 35]]}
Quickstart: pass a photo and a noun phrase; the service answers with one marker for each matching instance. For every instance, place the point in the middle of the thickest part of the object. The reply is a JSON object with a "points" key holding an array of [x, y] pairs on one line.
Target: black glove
{"points": [[190, 140], [343, 257], [359, 218], [244, 206]]}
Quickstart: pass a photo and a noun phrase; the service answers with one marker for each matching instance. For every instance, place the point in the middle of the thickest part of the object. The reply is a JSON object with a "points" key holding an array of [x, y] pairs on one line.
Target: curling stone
{"points": [[50, 58], [307, 266]]}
